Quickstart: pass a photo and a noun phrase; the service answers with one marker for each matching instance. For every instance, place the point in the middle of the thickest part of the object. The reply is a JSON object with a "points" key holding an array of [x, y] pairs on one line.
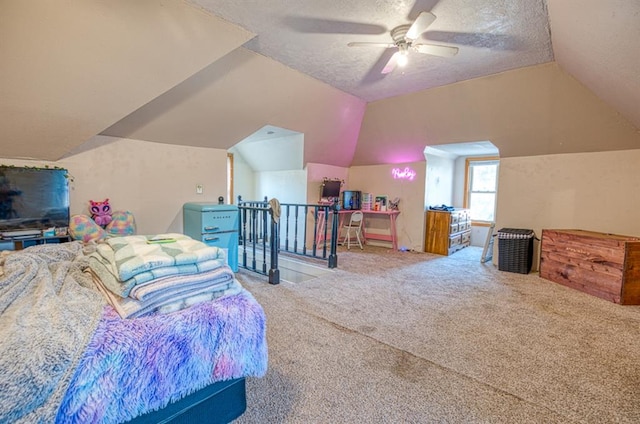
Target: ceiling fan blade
{"points": [[476, 39], [370, 44], [436, 50], [330, 26], [420, 25], [391, 64]]}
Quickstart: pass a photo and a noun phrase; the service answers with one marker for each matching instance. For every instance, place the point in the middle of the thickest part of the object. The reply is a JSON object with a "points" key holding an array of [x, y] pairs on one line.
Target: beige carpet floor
{"points": [[403, 337]]}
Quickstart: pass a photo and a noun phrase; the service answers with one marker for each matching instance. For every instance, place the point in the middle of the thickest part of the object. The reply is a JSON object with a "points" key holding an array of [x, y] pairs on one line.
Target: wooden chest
{"points": [[447, 231], [603, 265]]}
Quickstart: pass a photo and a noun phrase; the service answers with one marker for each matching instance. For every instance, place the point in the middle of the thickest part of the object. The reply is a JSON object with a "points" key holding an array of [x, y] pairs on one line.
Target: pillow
{"points": [[122, 224], [82, 227]]}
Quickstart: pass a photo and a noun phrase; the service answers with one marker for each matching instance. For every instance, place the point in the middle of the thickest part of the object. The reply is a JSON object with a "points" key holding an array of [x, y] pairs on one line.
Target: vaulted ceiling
{"points": [[211, 72], [313, 37]]}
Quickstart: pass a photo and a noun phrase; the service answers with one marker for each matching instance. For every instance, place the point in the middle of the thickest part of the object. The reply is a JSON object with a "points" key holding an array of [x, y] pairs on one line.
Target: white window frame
{"points": [[469, 164]]}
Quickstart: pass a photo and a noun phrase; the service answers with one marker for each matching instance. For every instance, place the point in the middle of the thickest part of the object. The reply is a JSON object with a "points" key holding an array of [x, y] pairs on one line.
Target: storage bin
{"points": [[601, 264], [367, 201], [515, 250]]}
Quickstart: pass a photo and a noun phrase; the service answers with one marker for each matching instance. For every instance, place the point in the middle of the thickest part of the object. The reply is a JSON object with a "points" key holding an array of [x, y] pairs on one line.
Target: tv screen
{"points": [[33, 198], [331, 189]]}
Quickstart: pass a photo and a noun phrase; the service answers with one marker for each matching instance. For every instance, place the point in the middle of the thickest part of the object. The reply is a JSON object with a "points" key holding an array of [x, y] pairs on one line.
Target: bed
{"points": [[70, 353]]}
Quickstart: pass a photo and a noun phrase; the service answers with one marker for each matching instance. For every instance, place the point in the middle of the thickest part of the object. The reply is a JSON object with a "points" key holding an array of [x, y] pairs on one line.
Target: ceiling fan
{"points": [[404, 39]]}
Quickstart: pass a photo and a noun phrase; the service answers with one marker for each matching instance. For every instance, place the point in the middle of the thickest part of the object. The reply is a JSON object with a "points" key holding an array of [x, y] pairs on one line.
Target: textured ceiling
{"points": [[311, 36]]}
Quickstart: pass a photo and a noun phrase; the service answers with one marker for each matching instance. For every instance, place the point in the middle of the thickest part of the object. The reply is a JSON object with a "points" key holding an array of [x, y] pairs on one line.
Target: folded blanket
{"points": [[169, 300], [135, 254], [148, 291], [106, 270]]}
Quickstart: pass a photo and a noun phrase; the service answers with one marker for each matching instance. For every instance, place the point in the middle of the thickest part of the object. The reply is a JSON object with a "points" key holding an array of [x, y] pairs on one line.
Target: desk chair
{"points": [[355, 226]]}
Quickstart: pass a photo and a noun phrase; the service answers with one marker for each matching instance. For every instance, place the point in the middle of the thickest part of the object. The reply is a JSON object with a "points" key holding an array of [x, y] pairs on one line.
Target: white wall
{"points": [[244, 183], [286, 186], [439, 181], [317, 172], [459, 170], [151, 180], [588, 191], [378, 180]]}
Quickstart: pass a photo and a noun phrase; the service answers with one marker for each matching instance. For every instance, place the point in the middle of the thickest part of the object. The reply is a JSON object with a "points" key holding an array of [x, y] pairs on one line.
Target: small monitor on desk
{"points": [[330, 192], [331, 189]]}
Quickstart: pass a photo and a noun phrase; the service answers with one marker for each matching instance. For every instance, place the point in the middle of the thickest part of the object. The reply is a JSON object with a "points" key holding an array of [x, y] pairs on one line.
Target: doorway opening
{"points": [[465, 176], [270, 163]]}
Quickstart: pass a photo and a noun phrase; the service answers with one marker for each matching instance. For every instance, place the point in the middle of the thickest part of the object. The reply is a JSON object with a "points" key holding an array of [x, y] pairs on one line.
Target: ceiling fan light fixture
{"points": [[403, 58], [404, 39]]}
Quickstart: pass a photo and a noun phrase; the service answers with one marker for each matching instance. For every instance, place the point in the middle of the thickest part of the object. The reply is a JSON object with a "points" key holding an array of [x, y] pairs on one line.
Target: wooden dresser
{"points": [[447, 232], [603, 265]]}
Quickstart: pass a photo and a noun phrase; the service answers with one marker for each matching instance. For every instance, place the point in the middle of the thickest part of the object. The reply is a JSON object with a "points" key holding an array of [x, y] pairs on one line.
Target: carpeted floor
{"points": [[402, 337]]}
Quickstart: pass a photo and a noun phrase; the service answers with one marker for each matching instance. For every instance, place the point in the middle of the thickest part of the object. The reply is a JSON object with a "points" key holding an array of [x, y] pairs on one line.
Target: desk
{"points": [[393, 234], [392, 237]]}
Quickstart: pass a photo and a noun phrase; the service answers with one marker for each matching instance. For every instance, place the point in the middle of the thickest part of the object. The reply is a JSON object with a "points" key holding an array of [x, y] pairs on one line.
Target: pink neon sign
{"points": [[403, 174]]}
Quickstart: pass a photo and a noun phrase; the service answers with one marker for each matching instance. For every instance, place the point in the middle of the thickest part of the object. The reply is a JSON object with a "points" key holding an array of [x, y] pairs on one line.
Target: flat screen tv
{"points": [[33, 198]]}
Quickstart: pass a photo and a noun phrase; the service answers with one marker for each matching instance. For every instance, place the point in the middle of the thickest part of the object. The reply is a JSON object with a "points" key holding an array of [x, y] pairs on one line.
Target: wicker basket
{"points": [[515, 250]]}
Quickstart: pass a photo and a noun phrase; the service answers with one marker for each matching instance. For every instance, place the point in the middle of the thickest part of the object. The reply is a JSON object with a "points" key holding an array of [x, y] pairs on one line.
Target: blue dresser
{"points": [[214, 224]]}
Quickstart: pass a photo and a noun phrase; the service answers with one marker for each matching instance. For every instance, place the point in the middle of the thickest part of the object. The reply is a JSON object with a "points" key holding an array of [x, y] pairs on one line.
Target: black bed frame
{"points": [[218, 403]]}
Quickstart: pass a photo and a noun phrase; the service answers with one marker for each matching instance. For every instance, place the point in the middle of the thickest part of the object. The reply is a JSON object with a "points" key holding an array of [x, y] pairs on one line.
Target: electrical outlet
{"points": [[199, 188]]}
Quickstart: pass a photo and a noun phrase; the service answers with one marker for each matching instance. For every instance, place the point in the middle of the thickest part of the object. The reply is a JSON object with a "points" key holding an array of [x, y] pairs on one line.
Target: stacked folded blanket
{"points": [[141, 275]]}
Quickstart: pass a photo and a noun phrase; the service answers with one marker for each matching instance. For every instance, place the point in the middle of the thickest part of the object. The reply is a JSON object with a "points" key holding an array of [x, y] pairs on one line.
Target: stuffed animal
{"points": [[100, 212], [102, 223]]}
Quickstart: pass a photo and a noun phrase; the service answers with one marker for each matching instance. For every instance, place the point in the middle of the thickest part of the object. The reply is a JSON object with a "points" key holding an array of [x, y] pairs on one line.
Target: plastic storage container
{"points": [[515, 250], [367, 201]]}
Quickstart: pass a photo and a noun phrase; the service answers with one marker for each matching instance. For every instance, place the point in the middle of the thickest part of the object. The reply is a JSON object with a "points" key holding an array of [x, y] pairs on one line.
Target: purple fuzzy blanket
{"points": [[134, 366]]}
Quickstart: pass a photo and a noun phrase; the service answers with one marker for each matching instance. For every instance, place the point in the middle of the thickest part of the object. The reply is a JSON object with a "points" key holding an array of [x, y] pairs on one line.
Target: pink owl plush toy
{"points": [[100, 212], [102, 224]]}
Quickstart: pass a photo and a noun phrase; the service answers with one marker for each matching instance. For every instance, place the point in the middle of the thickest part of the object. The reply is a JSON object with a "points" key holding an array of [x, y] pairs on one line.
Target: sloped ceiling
{"points": [[171, 72], [273, 153], [538, 110], [598, 42], [71, 69], [240, 93]]}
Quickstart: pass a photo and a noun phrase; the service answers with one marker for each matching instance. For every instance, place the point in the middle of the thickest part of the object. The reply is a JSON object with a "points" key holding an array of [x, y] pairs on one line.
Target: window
{"points": [[481, 189]]}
